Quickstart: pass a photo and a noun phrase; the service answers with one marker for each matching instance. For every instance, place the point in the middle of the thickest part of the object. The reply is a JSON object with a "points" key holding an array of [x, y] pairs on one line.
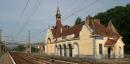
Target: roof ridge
{"points": [[100, 29]]}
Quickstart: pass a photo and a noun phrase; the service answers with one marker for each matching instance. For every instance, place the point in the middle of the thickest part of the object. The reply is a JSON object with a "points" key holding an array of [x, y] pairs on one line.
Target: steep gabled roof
{"points": [[112, 28], [100, 29], [72, 30], [111, 42]]}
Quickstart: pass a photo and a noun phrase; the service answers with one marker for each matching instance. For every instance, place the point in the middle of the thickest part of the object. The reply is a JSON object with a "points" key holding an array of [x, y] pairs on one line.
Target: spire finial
{"points": [[58, 7]]}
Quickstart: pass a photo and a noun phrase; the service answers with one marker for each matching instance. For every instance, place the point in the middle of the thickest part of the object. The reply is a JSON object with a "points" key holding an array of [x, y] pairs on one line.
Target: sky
{"points": [[18, 17]]}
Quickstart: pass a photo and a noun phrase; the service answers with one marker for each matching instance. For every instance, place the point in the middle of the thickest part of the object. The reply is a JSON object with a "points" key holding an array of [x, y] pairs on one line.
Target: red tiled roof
{"points": [[60, 31], [111, 42], [100, 29], [112, 28], [72, 30]]}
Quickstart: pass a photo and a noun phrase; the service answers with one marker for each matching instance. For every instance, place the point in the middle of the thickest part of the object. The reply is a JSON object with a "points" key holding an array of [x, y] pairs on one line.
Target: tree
{"points": [[20, 48], [78, 21], [67, 26], [33, 49]]}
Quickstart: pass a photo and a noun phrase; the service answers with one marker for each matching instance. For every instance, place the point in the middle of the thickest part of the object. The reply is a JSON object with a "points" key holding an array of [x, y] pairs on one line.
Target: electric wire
{"points": [[20, 17], [78, 6], [28, 19], [69, 15], [81, 9]]}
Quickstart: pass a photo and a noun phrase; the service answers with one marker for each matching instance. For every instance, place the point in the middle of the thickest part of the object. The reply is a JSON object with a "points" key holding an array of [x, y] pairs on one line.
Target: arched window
{"points": [[56, 49], [60, 50], [70, 50], [65, 52]]}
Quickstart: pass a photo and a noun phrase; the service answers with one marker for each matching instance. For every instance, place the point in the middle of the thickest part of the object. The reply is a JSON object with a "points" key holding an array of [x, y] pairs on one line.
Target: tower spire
{"points": [[58, 9], [58, 15], [58, 21]]}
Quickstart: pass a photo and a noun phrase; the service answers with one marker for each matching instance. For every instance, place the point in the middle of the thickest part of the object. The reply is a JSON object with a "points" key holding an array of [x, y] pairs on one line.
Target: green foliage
{"points": [[78, 21], [20, 48], [120, 16], [127, 48], [33, 49], [67, 26]]}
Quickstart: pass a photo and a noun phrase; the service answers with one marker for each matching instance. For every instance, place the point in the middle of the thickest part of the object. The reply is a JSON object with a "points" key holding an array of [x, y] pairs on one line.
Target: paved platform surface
{"points": [[6, 59]]}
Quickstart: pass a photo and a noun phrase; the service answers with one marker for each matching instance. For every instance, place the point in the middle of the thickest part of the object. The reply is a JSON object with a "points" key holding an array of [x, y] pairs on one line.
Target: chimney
{"points": [[97, 21], [88, 19]]}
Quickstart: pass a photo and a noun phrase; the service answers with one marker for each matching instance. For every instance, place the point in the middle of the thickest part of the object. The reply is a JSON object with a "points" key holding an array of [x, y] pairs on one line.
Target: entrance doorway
{"points": [[109, 52]]}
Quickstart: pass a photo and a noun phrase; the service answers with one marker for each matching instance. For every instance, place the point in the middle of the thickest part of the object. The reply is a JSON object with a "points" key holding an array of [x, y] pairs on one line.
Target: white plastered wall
{"points": [[86, 41], [119, 49]]}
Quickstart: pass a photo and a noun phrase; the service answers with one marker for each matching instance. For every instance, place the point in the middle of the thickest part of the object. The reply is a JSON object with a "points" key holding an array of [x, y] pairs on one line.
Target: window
{"points": [[100, 48], [119, 50]]}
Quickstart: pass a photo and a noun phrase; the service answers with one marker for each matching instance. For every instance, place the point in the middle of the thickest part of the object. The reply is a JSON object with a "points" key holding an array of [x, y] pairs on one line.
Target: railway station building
{"points": [[90, 40]]}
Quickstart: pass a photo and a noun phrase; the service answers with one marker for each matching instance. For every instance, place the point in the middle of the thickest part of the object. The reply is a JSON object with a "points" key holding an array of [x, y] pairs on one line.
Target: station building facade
{"points": [[90, 40]]}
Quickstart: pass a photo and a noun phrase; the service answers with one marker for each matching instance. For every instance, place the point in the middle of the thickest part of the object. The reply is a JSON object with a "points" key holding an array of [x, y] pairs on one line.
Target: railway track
{"points": [[22, 58]]}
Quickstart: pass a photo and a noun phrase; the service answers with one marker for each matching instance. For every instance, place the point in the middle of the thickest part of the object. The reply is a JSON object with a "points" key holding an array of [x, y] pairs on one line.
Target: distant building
{"points": [[2, 48], [90, 40], [2, 45], [40, 46]]}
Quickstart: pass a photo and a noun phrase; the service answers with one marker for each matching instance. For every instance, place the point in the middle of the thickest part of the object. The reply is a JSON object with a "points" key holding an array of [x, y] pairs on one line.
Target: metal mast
{"points": [[29, 42], [0, 35]]}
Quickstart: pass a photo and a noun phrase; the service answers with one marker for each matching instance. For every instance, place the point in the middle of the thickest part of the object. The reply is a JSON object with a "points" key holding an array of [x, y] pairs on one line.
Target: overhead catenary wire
{"points": [[20, 17], [24, 25], [67, 16], [71, 4], [36, 35], [28, 19], [73, 8], [80, 9], [40, 32], [78, 6]]}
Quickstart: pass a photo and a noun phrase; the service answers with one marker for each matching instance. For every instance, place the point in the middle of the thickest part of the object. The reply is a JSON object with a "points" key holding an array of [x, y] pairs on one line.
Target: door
{"points": [[109, 52]]}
